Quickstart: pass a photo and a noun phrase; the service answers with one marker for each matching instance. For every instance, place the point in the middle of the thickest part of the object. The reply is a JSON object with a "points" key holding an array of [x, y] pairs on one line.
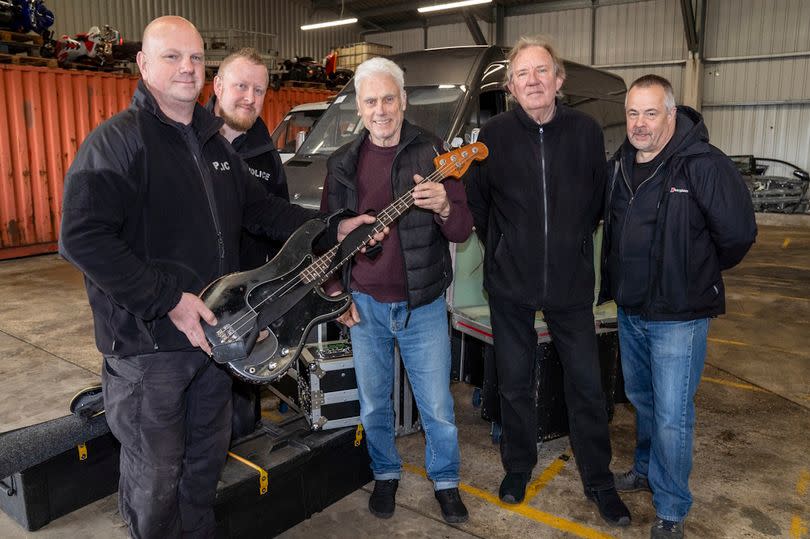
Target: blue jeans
{"points": [[424, 345], [662, 364]]}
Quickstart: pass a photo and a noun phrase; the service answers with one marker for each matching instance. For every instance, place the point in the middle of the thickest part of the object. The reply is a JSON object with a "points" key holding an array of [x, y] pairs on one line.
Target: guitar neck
{"points": [[322, 268]]}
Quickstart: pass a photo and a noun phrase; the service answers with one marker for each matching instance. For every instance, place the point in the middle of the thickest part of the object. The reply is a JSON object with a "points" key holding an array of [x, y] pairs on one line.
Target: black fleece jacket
{"points": [[666, 244], [536, 201], [151, 209], [256, 148]]}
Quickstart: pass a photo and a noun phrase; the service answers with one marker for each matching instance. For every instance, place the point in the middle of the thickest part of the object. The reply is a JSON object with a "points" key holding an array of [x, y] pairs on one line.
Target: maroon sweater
{"points": [[383, 277]]}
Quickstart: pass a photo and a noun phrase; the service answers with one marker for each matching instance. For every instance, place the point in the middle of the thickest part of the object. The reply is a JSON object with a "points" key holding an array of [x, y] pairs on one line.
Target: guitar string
{"points": [[324, 261]]}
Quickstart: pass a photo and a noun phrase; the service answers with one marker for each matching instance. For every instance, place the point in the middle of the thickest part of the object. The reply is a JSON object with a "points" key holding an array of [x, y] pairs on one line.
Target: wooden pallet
{"points": [[17, 37], [23, 59]]}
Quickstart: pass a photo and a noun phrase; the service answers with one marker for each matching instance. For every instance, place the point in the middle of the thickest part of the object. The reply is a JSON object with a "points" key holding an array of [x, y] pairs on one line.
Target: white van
{"points": [[296, 125]]}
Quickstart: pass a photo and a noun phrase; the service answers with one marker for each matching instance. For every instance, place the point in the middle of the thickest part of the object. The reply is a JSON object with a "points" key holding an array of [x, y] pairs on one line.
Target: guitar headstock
{"points": [[455, 163]]}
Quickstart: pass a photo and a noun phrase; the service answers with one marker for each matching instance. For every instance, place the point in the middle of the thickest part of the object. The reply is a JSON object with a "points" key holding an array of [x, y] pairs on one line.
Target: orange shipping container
{"points": [[45, 114]]}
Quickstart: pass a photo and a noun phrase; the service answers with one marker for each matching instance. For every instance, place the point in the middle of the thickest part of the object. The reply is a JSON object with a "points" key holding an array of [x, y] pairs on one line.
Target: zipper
{"points": [[545, 214], [151, 327], [401, 249], [212, 208], [110, 323], [627, 215]]}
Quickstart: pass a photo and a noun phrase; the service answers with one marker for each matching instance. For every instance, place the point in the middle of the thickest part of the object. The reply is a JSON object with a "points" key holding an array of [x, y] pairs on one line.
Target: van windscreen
{"points": [[429, 107]]}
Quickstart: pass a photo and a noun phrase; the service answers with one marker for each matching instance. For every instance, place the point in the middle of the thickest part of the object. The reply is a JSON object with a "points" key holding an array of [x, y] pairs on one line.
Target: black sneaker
{"points": [[513, 487], [611, 507], [666, 529], [453, 509], [383, 500], [630, 481]]}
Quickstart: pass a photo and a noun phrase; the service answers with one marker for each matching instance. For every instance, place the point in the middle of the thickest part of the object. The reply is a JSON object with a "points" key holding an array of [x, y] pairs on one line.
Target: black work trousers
{"points": [[573, 334], [171, 411]]}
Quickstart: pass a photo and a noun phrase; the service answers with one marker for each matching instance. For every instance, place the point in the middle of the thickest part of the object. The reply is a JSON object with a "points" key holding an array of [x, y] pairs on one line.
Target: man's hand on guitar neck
{"points": [[431, 196], [347, 225], [186, 317]]}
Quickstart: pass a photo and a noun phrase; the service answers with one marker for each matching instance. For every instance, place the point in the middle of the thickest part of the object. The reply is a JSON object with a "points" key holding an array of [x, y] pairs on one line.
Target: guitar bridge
{"points": [[226, 334]]}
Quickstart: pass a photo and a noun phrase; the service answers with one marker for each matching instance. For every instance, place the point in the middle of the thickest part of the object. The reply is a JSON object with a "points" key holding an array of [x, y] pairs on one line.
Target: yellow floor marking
{"points": [[780, 266], [733, 384], [798, 529], [803, 483], [726, 341], [559, 523], [769, 295], [545, 478], [786, 243]]}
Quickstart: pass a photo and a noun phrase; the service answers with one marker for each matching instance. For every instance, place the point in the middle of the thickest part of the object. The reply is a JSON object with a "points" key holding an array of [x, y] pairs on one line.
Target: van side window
{"points": [[488, 105]]}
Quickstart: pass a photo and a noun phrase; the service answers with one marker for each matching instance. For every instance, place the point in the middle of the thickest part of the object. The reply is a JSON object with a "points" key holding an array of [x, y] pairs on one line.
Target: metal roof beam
{"points": [[475, 30]]}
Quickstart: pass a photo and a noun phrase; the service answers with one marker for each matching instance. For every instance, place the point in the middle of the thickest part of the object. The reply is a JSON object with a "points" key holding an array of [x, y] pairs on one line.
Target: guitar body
{"points": [[276, 296]]}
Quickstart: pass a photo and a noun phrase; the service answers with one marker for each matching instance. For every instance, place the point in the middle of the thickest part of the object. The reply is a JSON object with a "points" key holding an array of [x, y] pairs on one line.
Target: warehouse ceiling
{"points": [[390, 15]]}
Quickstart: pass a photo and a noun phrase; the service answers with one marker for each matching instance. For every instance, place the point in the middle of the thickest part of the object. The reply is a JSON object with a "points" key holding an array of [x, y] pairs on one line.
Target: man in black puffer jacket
{"points": [[398, 296], [536, 202], [154, 204], [677, 214]]}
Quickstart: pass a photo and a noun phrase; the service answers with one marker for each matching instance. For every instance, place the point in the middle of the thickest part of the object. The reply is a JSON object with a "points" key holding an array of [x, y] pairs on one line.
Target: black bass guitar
{"points": [[264, 315]]}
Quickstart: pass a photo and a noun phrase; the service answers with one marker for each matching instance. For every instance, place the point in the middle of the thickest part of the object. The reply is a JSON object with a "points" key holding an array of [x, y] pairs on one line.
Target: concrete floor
{"points": [[751, 473]]}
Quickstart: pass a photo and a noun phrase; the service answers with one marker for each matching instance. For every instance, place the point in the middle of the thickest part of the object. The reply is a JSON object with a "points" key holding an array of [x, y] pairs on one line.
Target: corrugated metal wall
{"points": [[756, 27], [639, 32], [45, 114], [673, 73], [774, 131], [454, 35], [570, 29], [753, 103], [280, 17], [401, 40]]}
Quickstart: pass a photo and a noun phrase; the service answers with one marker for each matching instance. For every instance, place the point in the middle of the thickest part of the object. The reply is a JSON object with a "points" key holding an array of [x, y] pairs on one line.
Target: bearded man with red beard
{"points": [[239, 90]]}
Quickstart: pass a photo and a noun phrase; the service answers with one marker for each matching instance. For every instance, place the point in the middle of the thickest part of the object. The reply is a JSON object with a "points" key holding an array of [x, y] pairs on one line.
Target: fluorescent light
{"points": [[327, 24], [452, 5]]}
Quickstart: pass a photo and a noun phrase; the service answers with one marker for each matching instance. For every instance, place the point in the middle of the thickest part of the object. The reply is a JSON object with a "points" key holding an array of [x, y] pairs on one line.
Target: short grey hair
{"points": [[379, 66], [535, 41], [649, 80]]}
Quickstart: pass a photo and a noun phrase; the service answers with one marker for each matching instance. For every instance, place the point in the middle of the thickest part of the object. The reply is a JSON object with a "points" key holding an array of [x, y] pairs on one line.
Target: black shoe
{"points": [[611, 507], [453, 509], [383, 500], [630, 481], [666, 529], [513, 487]]}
